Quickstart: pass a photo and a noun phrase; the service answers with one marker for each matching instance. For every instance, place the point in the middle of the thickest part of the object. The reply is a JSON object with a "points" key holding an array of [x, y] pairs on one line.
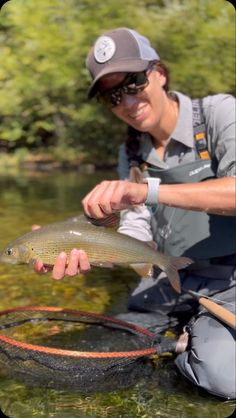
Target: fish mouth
{"points": [[5, 259]]}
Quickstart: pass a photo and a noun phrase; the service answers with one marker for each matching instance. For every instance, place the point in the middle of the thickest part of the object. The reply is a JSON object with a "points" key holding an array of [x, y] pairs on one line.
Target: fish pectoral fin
{"points": [[143, 270], [105, 264]]}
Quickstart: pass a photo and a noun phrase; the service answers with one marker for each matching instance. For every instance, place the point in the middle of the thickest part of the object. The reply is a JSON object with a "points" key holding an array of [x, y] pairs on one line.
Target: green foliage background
{"points": [[43, 80]]}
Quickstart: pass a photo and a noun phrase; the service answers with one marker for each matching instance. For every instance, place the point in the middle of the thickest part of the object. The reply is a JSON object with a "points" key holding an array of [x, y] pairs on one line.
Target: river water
{"points": [[41, 198]]}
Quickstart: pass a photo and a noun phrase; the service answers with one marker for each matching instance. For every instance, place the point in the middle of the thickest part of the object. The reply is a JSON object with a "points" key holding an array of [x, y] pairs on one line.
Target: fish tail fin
{"points": [[171, 269]]}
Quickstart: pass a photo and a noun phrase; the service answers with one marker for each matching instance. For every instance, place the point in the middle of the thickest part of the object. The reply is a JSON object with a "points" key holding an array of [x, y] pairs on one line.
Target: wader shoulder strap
{"points": [[199, 130]]}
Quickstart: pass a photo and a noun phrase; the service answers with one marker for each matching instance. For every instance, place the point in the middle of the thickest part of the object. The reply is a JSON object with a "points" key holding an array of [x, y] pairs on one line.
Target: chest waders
{"points": [[209, 361], [198, 235], [180, 232]]}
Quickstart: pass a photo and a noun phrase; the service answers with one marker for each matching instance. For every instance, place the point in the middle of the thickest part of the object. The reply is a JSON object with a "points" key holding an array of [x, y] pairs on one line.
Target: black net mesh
{"points": [[64, 348]]}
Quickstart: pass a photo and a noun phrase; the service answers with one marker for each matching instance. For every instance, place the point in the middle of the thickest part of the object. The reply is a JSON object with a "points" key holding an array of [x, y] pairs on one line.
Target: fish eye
{"points": [[9, 251]]}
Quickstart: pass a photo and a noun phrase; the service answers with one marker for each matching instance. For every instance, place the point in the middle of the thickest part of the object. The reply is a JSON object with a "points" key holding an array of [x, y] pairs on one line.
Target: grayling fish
{"points": [[104, 246]]}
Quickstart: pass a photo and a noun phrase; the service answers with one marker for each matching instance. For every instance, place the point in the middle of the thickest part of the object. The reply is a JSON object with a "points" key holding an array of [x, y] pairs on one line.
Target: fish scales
{"points": [[104, 246], [100, 243]]}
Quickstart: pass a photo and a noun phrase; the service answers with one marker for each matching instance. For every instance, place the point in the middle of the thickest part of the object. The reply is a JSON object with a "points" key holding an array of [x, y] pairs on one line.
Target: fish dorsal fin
{"points": [[135, 175], [143, 270], [152, 244], [111, 221]]}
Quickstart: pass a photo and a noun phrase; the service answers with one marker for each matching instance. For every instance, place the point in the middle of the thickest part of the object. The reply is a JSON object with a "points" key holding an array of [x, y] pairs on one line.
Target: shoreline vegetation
{"points": [[49, 160], [46, 121]]}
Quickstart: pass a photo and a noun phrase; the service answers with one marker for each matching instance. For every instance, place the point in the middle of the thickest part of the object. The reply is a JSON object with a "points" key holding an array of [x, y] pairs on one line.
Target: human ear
{"points": [[161, 77]]}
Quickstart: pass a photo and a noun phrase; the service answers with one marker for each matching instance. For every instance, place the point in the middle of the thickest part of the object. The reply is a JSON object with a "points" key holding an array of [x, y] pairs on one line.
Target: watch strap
{"points": [[153, 188]]}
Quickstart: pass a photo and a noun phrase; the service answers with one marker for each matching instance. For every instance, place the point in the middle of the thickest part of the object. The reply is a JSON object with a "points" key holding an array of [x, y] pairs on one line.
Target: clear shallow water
{"points": [[26, 199]]}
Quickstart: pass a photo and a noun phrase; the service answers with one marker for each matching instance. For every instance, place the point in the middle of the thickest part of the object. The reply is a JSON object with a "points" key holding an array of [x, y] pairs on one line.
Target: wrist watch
{"points": [[153, 188]]}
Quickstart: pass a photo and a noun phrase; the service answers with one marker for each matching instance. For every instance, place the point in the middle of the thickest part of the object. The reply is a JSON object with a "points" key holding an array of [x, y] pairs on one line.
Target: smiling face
{"points": [[145, 110]]}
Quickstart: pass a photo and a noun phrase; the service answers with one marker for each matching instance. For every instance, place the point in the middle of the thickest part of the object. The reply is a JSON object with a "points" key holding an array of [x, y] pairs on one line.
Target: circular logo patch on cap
{"points": [[104, 49]]}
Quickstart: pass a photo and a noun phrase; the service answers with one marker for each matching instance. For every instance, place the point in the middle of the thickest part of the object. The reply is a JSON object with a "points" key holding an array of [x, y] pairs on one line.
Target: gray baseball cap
{"points": [[118, 50]]}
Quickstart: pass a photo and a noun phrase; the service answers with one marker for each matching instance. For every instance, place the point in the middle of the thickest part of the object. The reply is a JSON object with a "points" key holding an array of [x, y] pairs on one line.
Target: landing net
{"points": [[102, 353]]}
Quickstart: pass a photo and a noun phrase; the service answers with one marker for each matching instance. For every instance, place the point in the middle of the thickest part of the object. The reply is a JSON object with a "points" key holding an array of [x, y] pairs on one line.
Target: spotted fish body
{"points": [[104, 246]]}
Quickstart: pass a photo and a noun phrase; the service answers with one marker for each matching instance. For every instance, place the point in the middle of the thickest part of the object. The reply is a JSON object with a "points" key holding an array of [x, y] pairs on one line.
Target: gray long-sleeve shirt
{"points": [[219, 113]]}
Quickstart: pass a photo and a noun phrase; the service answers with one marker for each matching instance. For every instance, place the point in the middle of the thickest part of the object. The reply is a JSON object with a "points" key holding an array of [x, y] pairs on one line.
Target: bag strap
{"points": [[199, 130]]}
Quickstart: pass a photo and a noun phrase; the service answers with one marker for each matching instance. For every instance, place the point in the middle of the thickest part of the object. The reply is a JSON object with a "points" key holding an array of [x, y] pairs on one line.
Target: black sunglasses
{"points": [[133, 84]]}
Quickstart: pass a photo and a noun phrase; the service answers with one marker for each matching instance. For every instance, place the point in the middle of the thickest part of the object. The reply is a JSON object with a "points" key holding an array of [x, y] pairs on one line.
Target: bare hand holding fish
{"points": [[75, 264], [104, 247]]}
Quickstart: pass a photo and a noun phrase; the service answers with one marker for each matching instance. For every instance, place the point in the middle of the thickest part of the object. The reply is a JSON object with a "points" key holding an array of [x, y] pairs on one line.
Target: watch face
{"points": [[104, 49]]}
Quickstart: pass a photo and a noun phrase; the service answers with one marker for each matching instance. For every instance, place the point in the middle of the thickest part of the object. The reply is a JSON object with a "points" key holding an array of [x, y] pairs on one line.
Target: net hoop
{"points": [[51, 351]]}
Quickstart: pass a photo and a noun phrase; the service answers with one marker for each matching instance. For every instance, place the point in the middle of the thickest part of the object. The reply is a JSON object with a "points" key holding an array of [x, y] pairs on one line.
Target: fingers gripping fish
{"points": [[104, 246]]}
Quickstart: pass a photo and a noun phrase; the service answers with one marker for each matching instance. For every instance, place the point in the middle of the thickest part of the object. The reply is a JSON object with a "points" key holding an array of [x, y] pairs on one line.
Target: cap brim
{"points": [[121, 66]]}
